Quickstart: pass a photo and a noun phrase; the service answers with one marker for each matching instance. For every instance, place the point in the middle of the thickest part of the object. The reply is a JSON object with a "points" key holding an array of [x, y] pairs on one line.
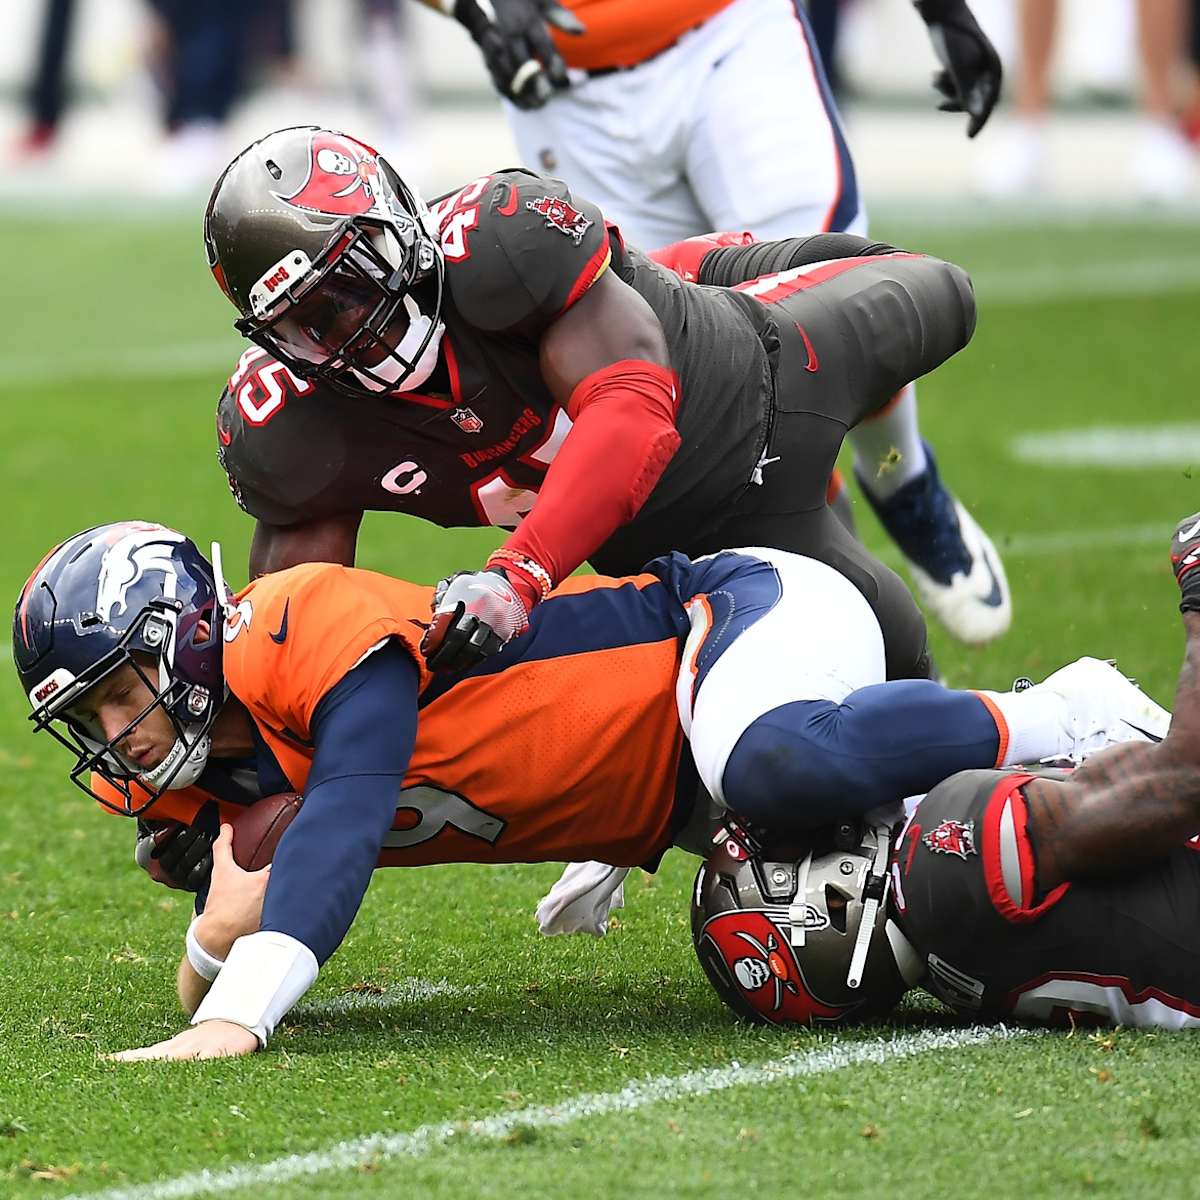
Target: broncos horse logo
{"points": [[135, 548]]}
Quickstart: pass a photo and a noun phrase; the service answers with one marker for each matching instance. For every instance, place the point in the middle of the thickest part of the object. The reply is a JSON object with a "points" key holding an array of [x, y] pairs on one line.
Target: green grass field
{"points": [[444, 1007]]}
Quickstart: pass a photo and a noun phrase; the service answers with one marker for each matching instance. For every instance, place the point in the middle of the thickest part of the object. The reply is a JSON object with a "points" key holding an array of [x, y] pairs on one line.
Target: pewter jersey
{"points": [[473, 447], [1123, 950]]}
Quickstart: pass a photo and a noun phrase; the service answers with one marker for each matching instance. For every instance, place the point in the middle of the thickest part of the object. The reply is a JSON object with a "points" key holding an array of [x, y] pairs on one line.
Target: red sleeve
{"points": [[621, 441], [684, 258]]}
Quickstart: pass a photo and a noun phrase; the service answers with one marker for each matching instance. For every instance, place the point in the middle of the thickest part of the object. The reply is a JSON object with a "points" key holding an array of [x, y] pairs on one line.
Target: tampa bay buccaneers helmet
{"points": [[801, 939], [91, 605], [328, 255]]}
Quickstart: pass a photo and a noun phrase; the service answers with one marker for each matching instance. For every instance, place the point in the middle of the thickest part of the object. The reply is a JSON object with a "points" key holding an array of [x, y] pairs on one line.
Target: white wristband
{"points": [[263, 976], [206, 965]]}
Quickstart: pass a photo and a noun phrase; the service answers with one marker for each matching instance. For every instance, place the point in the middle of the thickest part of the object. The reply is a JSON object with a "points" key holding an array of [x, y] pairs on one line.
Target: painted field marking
{"points": [[1007, 286], [407, 991], [1066, 541], [1014, 286], [146, 362], [1120, 447], [638, 1093]]}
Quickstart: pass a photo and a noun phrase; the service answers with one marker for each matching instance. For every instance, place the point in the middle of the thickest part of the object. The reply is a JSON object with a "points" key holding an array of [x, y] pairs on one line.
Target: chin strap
{"points": [[223, 589], [875, 892], [798, 910]]}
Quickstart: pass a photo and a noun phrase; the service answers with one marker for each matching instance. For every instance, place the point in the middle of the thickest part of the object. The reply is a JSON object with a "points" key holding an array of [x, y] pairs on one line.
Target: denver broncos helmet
{"points": [[89, 606], [801, 939], [328, 255]]}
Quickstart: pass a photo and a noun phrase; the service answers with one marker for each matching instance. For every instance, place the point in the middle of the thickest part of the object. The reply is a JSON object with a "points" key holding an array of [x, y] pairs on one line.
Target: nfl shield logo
{"points": [[466, 420]]}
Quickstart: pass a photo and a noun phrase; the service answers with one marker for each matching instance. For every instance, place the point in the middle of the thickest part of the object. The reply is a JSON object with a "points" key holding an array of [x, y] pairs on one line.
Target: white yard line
{"points": [[219, 355], [995, 286], [426, 1139], [1066, 541], [407, 991], [1116, 447], [1013, 286]]}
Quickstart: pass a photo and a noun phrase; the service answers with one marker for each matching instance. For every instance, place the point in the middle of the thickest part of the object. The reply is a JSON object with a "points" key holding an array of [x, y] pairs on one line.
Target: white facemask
{"points": [[392, 371]]}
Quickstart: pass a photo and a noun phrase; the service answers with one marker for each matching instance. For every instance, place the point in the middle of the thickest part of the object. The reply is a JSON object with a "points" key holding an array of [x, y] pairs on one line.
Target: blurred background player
{"points": [[681, 118], [1162, 162]]}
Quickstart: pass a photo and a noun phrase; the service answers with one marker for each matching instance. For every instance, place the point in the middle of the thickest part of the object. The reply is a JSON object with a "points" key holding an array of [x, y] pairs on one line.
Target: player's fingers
{"points": [[943, 83], [223, 846], [528, 86], [192, 858], [141, 1053], [452, 629], [483, 643], [980, 103], [543, 47], [439, 628], [564, 19]]}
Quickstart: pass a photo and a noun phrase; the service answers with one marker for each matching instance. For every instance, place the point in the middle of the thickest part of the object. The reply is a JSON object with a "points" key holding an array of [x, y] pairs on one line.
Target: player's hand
{"points": [[971, 72], [516, 45], [235, 898], [474, 614], [173, 854], [209, 1039], [1185, 559]]}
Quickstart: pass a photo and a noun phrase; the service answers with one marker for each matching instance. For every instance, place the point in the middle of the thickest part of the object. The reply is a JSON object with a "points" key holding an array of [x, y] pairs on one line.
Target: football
{"points": [[257, 831]]}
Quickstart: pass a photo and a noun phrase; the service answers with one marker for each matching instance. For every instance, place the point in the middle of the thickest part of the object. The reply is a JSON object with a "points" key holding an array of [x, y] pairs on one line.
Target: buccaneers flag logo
{"points": [[343, 178], [762, 964], [561, 216], [952, 837]]}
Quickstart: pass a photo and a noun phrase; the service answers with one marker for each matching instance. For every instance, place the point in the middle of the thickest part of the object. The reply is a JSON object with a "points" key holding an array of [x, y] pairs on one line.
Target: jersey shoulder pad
{"points": [[278, 440], [521, 251], [295, 634]]}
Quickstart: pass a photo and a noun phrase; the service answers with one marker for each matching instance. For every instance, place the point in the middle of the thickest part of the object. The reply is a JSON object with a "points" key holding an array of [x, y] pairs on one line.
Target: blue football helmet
{"points": [[91, 604]]}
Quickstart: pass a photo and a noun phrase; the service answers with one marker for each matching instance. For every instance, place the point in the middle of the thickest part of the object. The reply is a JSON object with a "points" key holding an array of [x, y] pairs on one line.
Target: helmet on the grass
{"points": [[800, 938]]}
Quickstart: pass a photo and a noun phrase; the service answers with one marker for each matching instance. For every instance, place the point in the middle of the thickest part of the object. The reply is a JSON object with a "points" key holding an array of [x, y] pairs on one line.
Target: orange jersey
{"points": [[623, 33], [566, 746]]}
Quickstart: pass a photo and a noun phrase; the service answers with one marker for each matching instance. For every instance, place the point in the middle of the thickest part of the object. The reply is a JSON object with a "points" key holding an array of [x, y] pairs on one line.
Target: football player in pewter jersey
{"points": [[1048, 895], [503, 357]]}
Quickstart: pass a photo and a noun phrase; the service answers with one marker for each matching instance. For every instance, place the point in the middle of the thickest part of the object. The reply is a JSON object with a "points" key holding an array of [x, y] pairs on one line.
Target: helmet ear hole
{"points": [[835, 906]]}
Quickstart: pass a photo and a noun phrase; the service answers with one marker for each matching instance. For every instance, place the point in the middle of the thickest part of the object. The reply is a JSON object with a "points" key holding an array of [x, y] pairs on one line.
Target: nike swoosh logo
{"points": [[813, 364], [224, 434], [1150, 737], [1187, 534], [994, 598], [281, 636]]}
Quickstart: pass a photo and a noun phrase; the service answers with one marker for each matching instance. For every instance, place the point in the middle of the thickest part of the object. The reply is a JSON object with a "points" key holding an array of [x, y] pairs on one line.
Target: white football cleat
{"points": [[955, 569], [975, 606], [1104, 708]]}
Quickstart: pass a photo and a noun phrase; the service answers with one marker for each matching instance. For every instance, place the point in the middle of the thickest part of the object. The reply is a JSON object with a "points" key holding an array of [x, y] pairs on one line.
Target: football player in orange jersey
{"points": [[755, 672]]}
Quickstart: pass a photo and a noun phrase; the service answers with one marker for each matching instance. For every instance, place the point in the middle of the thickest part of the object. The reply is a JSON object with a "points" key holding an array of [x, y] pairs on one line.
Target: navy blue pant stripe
{"points": [[846, 207]]}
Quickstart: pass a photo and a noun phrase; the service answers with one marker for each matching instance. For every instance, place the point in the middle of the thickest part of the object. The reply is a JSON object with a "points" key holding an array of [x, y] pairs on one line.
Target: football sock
{"points": [[1033, 724], [887, 446]]}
